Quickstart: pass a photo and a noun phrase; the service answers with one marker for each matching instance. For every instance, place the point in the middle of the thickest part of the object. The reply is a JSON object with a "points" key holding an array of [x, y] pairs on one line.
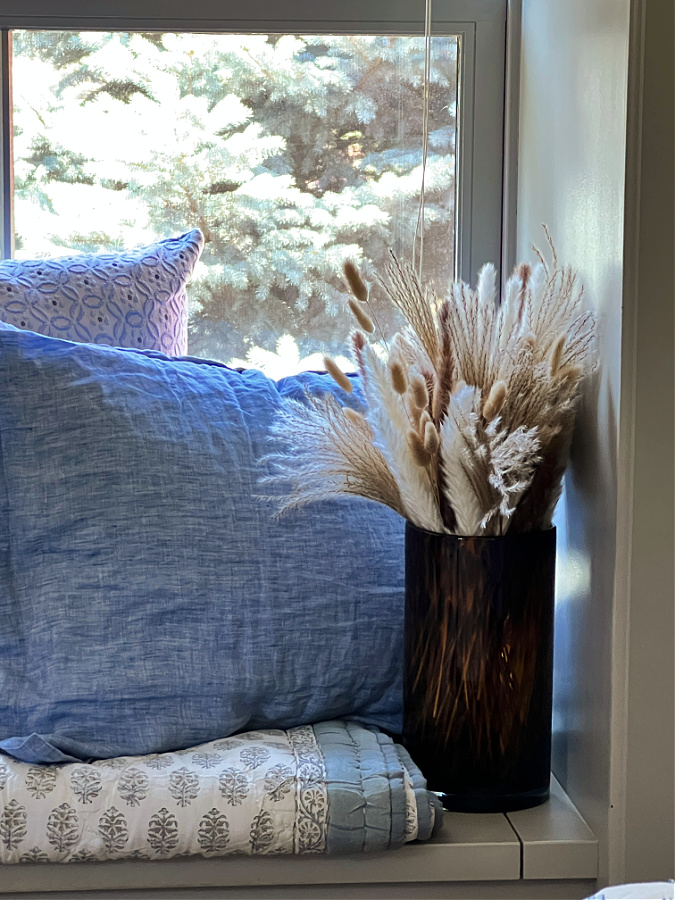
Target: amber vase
{"points": [[479, 666]]}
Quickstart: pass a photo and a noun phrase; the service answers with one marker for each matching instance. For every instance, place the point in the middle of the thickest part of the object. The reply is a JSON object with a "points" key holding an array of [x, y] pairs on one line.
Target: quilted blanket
{"points": [[335, 787]]}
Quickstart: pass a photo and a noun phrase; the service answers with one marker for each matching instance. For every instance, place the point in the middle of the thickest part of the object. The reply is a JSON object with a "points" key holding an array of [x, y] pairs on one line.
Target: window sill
{"points": [[550, 842]]}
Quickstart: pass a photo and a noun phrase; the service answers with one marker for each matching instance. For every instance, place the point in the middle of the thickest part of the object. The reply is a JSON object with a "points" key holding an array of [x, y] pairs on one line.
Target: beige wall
{"points": [[579, 172], [572, 137], [650, 732]]}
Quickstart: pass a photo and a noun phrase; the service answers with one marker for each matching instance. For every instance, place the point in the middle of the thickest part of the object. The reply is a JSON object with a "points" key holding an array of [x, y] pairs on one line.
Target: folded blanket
{"points": [[335, 787]]}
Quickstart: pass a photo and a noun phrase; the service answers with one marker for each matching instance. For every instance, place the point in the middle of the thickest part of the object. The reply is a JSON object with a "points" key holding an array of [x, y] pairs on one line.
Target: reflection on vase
{"points": [[479, 666]]}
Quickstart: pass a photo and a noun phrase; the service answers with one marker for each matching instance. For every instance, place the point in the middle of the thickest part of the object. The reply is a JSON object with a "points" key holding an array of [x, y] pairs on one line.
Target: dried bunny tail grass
{"points": [[361, 316], [405, 292], [425, 418], [337, 374], [357, 419], [331, 453], [419, 452], [432, 441], [493, 405], [358, 342], [414, 412], [398, 377], [470, 416], [430, 381], [356, 284], [388, 418], [418, 392]]}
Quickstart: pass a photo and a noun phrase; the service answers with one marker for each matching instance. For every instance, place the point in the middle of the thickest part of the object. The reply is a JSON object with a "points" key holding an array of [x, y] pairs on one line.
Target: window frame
{"points": [[481, 25]]}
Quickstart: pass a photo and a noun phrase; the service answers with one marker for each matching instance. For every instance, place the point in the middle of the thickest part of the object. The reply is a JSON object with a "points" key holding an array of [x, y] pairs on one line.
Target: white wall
{"points": [[579, 171], [571, 161]]}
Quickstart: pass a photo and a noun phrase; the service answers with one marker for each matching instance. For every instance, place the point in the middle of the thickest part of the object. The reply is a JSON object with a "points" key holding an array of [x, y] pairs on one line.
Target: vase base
{"points": [[491, 803]]}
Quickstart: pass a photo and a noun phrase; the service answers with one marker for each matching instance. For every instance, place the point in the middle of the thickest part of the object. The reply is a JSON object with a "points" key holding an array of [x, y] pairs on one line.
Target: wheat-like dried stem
{"points": [[331, 452], [405, 291]]}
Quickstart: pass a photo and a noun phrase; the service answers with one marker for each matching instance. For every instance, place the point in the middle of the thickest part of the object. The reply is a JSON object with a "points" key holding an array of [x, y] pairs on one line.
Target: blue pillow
{"points": [[148, 599]]}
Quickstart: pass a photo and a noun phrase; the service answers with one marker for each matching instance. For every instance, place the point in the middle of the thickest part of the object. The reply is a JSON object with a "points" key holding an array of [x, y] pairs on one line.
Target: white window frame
{"points": [[480, 23]]}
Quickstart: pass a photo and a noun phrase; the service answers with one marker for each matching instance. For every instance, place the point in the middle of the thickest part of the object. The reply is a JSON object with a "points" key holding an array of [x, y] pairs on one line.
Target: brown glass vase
{"points": [[479, 666]]}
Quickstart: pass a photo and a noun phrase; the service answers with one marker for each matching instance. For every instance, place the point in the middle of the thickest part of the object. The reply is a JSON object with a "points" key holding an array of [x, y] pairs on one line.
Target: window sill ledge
{"points": [[550, 842]]}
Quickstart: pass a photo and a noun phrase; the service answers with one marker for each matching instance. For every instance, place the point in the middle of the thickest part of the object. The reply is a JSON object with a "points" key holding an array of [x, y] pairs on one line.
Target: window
{"points": [[292, 143]]}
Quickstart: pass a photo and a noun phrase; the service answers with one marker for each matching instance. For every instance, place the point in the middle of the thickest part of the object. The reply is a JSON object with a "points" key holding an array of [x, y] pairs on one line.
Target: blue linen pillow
{"points": [[148, 599]]}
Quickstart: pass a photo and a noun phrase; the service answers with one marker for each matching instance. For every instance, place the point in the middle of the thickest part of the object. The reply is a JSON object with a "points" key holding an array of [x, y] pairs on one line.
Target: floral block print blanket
{"points": [[335, 787]]}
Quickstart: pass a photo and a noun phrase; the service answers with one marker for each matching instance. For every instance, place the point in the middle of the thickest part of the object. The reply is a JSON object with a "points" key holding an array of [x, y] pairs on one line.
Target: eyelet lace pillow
{"points": [[132, 299]]}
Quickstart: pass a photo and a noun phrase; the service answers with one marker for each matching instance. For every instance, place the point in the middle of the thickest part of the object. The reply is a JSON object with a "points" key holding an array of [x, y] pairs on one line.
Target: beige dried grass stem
{"points": [[332, 453], [472, 409], [404, 290]]}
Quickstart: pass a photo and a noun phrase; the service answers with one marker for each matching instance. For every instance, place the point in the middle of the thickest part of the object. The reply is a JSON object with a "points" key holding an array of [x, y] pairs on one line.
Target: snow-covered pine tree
{"points": [[291, 153]]}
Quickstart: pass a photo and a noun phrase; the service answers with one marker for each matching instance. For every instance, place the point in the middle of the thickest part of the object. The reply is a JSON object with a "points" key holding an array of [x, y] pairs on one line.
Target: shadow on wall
{"points": [[586, 523]]}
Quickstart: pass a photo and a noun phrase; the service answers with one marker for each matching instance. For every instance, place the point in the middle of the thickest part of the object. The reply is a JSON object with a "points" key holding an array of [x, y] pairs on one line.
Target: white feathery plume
{"points": [[507, 314], [387, 415], [456, 459], [487, 285], [513, 459]]}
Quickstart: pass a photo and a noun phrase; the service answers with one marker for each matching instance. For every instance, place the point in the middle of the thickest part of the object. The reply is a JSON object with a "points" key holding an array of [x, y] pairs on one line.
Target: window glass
{"points": [[292, 153]]}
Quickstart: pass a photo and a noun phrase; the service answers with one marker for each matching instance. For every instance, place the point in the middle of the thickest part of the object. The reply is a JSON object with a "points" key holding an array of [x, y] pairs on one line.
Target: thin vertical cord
{"points": [[419, 228], [6, 135]]}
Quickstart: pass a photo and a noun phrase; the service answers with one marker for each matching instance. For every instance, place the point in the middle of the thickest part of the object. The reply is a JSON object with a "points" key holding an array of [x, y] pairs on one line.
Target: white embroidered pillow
{"points": [[132, 299]]}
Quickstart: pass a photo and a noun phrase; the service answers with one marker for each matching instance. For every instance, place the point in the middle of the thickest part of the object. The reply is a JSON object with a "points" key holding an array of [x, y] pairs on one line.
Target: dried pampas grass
{"points": [[468, 419]]}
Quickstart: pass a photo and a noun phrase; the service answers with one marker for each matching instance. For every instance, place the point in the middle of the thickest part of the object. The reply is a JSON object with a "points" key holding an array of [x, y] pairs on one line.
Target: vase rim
{"points": [[480, 537]]}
